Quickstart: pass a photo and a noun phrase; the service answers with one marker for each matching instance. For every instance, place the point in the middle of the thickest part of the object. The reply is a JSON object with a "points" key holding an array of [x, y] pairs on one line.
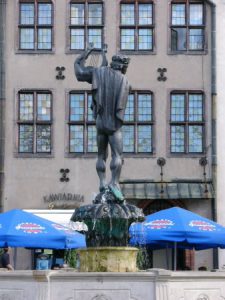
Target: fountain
{"points": [[109, 217]]}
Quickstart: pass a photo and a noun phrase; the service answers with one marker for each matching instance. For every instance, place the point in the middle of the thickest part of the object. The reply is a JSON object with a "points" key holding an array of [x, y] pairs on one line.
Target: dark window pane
{"points": [[43, 107], [127, 14], [77, 138], [178, 38], [145, 138], [145, 14], [44, 14], [196, 39], [177, 139], [92, 139], [77, 14], [128, 138], [145, 39], [178, 14], [77, 39], [26, 107], [127, 39], [43, 138], [76, 107], [196, 14], [129, 112], [195, 108], [144, 107], [95, 37], [26, 14], [44, 38], [177, 107], [26, 138], [195, 138], [26, 38], [95, 14], [90, 112]]}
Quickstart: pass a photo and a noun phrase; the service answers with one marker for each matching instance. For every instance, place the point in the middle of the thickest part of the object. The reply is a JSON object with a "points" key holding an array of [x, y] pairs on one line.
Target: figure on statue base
{"points": [[110, 89]]}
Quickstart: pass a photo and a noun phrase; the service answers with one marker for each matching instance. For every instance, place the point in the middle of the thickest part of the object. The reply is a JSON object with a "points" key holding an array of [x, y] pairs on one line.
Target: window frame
{"points": [[34, 122], [84, 26], [85, 123], [186, 123], [136, 27], [188, 26], [86, 154], [137, 123], [35, 26]]}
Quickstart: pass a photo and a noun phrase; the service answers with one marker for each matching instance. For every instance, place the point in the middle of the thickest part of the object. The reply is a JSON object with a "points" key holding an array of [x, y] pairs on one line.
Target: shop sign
{"points": [[63, 200]]}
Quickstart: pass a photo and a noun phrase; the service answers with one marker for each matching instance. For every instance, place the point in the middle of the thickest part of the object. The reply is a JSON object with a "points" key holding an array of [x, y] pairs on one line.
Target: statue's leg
{"points": [[116, 144], [102, 141]]}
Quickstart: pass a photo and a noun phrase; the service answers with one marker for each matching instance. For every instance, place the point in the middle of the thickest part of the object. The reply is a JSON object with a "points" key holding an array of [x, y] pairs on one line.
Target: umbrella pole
{"points": [[175, 257], [15, 257], [167, 257]]}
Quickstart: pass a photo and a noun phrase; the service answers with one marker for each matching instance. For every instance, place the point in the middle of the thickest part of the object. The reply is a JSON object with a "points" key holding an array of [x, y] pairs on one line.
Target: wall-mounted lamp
{"points": [[161, 162], [203, 162]]}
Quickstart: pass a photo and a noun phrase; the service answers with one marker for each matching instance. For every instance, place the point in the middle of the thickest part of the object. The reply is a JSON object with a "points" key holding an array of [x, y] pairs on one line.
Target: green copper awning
{"points": [[167, 190]]}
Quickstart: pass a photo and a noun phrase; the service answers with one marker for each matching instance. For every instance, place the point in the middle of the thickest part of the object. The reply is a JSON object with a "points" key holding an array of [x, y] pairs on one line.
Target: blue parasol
{"points": [[22, 229], [177, 227]]}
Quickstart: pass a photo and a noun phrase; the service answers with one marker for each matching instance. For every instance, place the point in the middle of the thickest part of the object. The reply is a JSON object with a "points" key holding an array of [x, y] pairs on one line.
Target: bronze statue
{"points": [[110, 89], [109, 217]]}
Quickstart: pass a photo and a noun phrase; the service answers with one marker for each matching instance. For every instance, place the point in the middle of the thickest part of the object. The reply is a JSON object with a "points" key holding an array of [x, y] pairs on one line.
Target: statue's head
{"points": [[120, 62]]}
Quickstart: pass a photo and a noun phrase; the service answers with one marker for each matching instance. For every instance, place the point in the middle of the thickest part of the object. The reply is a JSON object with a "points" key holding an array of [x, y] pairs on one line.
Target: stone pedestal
{"points": [[108, 259], [71, 285]]}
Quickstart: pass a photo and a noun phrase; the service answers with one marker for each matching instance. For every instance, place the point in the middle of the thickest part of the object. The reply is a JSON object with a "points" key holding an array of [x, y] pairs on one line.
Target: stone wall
{"points": [[157, 284]]}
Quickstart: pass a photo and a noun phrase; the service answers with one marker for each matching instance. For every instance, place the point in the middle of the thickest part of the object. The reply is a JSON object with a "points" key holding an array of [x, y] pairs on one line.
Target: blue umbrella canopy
{"points": [[177, 225], [22, 229]]}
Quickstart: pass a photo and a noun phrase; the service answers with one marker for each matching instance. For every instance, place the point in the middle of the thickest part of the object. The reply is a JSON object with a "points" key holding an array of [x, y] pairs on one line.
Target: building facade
{"points": [[169, 129], [219, 103]]}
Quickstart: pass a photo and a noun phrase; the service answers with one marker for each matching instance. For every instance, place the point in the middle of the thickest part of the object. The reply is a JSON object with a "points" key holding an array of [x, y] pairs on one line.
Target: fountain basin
{"points": [[108, 259]]}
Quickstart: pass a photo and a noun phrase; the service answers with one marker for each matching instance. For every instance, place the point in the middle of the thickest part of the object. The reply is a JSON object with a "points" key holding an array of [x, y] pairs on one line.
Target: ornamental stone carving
{"points": [[203, 297], [101, 297]]}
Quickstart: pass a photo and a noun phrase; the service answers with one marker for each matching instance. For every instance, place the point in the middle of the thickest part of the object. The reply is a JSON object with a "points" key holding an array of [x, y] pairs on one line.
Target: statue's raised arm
{"points": [[84, 73]]}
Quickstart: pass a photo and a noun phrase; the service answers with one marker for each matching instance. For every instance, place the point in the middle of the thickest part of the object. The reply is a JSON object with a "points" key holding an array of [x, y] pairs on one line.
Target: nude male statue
{"points": [[110, 89]]}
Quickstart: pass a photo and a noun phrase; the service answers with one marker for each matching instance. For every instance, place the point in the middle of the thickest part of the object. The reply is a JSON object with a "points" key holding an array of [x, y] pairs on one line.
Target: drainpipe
{"points": [[2, 97], [213, 113]]}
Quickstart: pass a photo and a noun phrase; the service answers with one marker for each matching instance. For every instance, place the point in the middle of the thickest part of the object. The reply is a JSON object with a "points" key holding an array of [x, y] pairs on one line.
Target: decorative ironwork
{"points": [[162, 76], [203, 162], [161, 162], [60, 75], [64, 173]]}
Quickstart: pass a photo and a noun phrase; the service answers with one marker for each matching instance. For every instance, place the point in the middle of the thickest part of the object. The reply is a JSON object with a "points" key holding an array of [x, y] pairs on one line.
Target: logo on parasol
{"points": [[160, 224], [202, 225], [60, 227], [30, 228]]}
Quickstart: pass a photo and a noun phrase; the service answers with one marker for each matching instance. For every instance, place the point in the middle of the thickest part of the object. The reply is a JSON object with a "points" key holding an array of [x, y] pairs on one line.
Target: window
{"points": [[187, 26], [136, 26], [35, 122], [35, 25], [186, 122], [82, 130], [138, 124], [86, 24]]}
